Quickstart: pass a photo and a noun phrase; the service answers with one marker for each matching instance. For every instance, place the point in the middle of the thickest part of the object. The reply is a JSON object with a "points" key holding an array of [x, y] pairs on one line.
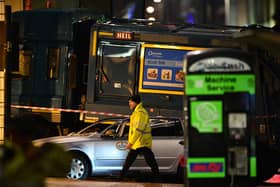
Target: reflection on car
{"points": [[100, 148]]}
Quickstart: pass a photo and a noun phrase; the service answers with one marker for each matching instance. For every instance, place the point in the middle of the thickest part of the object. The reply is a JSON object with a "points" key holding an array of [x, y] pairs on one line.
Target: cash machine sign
{"points": [[219, 64]]}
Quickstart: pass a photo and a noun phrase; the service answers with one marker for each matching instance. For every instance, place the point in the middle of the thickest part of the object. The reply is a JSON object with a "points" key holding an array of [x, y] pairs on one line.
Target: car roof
{"points": [[154, 120]]}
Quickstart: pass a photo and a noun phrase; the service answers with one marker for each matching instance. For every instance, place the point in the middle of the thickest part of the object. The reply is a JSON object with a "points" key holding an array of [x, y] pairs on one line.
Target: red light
{"points": [[182, 161]]}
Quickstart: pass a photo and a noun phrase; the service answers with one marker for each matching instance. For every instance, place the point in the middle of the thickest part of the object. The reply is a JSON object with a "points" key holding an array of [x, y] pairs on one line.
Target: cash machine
{"points": [[219, 104]]}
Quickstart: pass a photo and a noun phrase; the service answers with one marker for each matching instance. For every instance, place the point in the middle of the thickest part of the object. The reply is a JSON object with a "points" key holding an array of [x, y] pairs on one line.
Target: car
{"points": [[100, 148]]}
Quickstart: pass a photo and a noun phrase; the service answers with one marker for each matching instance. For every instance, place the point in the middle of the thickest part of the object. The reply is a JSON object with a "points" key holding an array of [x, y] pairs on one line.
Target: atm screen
{"points": [[237, 120]]}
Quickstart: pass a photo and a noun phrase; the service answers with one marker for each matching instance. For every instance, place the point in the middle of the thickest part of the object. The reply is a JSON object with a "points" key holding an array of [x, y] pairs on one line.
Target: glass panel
{"points": [[73, 66], [53, 62], [116, 76], [25, 58], [166, 128]]}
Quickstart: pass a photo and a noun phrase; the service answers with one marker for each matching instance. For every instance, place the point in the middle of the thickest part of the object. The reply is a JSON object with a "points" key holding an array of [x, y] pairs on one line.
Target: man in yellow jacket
{"points": [[139, 137]]}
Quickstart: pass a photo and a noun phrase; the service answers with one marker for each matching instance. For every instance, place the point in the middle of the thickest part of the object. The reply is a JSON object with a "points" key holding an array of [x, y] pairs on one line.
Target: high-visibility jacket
{"points": [[139, 128]]}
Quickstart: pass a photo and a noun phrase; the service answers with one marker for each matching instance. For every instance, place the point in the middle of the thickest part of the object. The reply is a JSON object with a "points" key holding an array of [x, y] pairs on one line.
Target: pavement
{"points": [[60, 182]]}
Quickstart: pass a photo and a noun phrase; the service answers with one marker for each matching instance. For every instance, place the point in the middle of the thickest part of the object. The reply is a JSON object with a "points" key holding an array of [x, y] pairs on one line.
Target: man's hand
{"points": [[128, 146]]}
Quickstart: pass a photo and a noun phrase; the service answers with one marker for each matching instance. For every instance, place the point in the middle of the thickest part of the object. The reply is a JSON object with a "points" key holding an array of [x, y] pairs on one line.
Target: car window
{"points": [[125, 131], [97, 128], [116, 129], [162, 127], [119, 129], [112, 130], [166, 128]]}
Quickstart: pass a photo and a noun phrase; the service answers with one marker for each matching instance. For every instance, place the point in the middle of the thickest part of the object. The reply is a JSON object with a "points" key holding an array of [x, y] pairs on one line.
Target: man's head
{"points": [[133, 101]]}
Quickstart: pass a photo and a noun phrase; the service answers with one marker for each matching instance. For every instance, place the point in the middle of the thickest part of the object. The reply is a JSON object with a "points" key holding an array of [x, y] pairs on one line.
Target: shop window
{"points": [[25, 58], [53, 63]]}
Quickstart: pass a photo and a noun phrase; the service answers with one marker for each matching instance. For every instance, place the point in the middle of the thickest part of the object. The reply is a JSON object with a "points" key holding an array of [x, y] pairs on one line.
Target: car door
{"points": [[167, 146], [110, 151], [167, 143]]}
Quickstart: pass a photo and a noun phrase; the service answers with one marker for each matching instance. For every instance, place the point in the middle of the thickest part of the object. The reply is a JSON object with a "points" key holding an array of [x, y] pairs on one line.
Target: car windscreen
{"points": [[95, 128]]}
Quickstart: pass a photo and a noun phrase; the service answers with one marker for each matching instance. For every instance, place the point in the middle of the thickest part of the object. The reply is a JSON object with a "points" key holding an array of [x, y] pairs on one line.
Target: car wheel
{"points": [[79, 167]]}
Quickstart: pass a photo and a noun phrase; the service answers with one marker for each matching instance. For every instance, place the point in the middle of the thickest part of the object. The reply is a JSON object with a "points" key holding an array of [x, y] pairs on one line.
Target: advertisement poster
{"points": [[162, 69]]}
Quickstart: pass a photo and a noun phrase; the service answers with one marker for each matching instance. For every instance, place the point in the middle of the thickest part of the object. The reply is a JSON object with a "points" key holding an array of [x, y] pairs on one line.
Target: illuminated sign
{"points": [[162, 68], [207, 116], [123, 35], [253, 166], [2, 106], [218, 84], [237, 120], [206, 167], [219, 64], [2, 10]]}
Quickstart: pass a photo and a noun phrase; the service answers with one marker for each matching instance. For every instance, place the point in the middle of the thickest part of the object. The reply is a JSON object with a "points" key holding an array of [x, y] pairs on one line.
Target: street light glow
{"points": [[150, 9], [157, 1], [152, 18]]}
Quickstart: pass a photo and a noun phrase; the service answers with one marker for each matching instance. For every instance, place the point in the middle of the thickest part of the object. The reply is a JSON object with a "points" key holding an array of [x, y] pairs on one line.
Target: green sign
{"points": [[207, 116], [253, 167], [218, 84]]}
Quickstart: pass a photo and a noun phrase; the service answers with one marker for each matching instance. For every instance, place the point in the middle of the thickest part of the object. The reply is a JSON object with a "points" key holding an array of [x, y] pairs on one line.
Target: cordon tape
{"points": [[103, 113], [68, 110]]}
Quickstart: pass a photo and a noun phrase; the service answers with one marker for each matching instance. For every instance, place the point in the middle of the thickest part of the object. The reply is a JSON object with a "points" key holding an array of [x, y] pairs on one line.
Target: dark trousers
{"points": [[149, 158]]}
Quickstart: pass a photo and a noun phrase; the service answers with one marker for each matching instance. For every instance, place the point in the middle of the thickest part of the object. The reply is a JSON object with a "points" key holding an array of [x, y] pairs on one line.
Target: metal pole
{"points": [[227, 12]]}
